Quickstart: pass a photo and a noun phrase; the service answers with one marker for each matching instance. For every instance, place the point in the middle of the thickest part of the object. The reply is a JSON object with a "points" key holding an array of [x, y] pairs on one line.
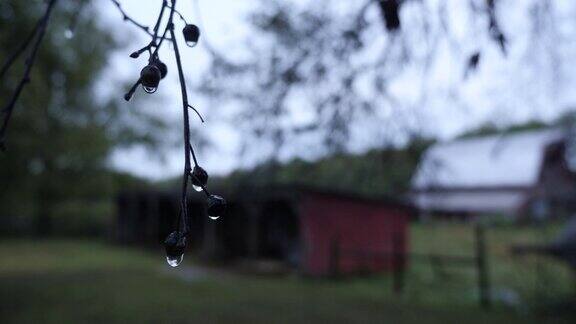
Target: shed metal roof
{"points": [[471, 201], [491, 161]]}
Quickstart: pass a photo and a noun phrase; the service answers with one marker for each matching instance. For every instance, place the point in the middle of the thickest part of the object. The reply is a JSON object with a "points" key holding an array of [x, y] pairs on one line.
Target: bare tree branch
{"points": [[9, 108]]}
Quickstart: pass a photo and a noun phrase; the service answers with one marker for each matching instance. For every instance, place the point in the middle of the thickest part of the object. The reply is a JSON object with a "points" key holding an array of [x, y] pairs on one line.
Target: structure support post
{"points": [[398, 263], [482, 267], [334, 261], [253, 213]]}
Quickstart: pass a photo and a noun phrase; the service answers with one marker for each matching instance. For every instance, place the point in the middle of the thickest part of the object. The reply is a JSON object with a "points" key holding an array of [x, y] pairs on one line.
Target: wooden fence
{"points": [[399, 259]]}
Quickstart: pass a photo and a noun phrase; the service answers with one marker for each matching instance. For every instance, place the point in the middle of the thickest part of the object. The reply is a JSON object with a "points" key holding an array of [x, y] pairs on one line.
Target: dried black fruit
{"points": [[199, 178], [216, 206], [191, 35]]}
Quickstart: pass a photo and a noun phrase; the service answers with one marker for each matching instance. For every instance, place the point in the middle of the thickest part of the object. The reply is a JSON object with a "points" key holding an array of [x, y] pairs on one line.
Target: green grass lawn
{"points": [[525, 282], [93, 282]]}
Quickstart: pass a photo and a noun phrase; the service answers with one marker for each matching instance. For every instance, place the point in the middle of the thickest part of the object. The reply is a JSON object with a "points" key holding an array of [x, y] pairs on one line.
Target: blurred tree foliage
{"points": [[372, 174], [564, 120], [62, 131], [491, 128], [328, 69], [378, 172]]}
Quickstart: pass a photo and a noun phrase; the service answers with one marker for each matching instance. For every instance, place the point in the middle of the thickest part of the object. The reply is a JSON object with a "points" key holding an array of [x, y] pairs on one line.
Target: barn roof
{"points": [[490, 161], [505, 201]]}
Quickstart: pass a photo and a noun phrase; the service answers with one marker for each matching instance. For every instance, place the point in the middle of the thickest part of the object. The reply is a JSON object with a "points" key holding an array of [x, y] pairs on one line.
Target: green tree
{"points": [[62, 132]]}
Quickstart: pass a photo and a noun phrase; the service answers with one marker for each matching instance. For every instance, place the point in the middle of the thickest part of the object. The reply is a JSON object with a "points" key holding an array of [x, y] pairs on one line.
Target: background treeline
{"points": [[54, 176]]}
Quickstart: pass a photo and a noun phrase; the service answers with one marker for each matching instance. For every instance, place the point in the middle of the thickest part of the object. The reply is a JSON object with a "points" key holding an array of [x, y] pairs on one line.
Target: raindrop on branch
{"points": [[216, 207], [150, 89], [69, 33], [175, 244], [174, 261], [199, 178]]}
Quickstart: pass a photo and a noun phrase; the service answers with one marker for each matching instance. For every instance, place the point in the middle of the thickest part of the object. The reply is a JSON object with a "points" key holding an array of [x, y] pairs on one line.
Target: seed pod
{"points": [[191, 35], [199, 178], [161, 67], [150, 77]]}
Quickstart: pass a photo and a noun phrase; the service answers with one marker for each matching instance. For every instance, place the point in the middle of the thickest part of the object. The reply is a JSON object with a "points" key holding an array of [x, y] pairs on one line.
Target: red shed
{"points": [[348, 234], [318, 232]]}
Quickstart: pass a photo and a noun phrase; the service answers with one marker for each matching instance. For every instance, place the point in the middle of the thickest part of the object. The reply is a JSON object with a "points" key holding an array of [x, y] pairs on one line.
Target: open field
{"points": [[88, 281]]}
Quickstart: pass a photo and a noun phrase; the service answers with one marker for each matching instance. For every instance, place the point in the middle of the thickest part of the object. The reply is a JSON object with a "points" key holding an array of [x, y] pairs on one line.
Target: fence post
{"points": [[253, 229], [482, 267], [398, 263], [437, 266]]}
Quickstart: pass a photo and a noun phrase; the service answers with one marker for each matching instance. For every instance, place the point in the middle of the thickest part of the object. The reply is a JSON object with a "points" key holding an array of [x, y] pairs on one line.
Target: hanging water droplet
{"points": [[197, 188], [191, 43], [149, 89], [175, 244], [69, 33], [216, 207], [174, 261]]}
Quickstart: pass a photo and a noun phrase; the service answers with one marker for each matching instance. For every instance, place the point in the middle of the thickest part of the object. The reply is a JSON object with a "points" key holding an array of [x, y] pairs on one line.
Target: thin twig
{"points": [[187, 146], [179, 15], [197, 113], [159, 20], [193, 154], [125, 16], [159, 44], [132, 90], [10, 61], [26, 77]]}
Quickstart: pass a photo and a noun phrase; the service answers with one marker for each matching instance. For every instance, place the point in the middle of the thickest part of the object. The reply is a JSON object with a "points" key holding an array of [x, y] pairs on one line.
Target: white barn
{"points": [[523, 174]]}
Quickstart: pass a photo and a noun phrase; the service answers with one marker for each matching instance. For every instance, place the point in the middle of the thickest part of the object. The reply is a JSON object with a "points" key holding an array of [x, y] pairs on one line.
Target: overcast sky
{"points": [[504, 90]]}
